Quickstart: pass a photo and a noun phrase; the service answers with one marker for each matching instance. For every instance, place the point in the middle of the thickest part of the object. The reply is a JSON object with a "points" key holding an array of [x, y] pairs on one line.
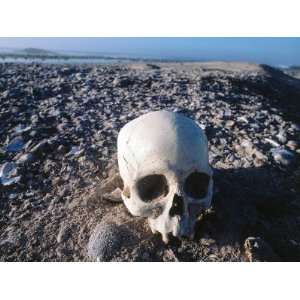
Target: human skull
{"points": [[163, 162]]}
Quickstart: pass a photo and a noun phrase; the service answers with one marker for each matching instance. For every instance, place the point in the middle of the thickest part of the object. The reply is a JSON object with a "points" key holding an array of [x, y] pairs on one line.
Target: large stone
{"points": [[105, 241]]}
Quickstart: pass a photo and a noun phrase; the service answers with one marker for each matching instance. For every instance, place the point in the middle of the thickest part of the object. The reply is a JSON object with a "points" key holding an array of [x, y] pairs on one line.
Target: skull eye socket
{"points": [[152, 186], [196, 185]]}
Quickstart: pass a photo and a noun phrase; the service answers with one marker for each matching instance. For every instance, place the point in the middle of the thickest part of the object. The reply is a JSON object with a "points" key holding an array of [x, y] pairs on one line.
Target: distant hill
{"points": [[29, 53], [37, 52]]}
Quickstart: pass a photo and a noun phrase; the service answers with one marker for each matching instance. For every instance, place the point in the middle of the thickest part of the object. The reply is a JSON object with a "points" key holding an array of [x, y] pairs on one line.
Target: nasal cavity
{"points": [[177, 208]]}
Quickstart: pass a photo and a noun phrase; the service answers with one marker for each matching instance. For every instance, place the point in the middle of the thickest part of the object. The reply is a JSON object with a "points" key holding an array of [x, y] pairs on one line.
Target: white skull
{"points": [[163, 161]]}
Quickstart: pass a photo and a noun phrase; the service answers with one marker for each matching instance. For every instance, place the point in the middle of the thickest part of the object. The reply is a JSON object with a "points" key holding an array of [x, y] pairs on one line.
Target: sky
{"points": [[273, 51]]}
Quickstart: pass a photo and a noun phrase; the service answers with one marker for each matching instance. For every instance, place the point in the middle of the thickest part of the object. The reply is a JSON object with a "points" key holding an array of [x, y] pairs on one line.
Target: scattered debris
{"points": [[8, 174]]}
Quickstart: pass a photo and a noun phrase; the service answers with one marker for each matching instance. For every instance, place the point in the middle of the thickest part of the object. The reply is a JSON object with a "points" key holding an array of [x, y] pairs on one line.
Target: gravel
{"points": [[58, 133]]}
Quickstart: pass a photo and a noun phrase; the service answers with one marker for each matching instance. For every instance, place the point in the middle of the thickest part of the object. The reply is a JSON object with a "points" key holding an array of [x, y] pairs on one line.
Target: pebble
{"points": [[243, 119], [64, 233], [295, 127], [15, 145], [40, 147], [272, 142], [256, 249], [281, 136], [282, 156], [259, 155], [122, 82], [22, 128], [247, 144], [207, 241], [293, 145], [25, 159], [114, 196], [248, 147], [8, 174], [75, 151], [229, 124]]}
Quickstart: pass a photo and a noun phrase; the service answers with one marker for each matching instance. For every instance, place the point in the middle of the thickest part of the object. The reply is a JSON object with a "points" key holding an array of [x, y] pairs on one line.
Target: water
{"points": [[64, 61]]}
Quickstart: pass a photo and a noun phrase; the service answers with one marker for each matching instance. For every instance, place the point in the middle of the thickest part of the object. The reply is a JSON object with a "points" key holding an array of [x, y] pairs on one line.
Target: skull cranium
{"points": [[163, 161]]}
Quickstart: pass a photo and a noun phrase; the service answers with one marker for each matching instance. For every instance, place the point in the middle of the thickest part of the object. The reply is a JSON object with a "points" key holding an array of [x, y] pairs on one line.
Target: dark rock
{"points": [[154, 67], [123, 82], [40, 148], [256, 249], [106, 240]]}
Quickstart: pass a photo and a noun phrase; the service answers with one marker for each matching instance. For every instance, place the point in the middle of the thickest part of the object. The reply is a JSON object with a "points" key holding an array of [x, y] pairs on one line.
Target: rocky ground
{"points": [[59, 125], [293, 71]]}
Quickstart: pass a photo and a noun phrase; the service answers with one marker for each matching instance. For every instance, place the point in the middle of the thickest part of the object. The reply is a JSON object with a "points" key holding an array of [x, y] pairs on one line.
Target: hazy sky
{"points": [[275, 51]]}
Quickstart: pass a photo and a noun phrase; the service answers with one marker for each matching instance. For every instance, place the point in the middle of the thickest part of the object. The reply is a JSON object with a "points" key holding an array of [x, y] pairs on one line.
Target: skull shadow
{"points": [[255, 202]]}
